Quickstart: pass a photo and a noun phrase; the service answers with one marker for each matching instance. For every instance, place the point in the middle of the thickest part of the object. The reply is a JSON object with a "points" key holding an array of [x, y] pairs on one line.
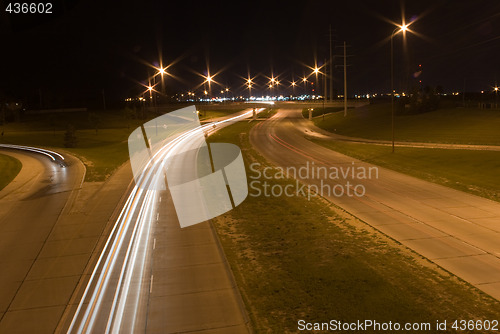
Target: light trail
{"points": [[54, 156], [111, 302]]}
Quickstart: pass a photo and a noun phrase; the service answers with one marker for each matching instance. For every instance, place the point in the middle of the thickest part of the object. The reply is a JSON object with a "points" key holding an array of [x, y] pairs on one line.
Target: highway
{"points": [[458, 231], [153, 276], [30, 207]]}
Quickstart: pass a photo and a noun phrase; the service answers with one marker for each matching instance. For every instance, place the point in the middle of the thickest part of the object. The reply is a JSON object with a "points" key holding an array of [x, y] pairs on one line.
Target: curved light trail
{"points": [[54, 156]]}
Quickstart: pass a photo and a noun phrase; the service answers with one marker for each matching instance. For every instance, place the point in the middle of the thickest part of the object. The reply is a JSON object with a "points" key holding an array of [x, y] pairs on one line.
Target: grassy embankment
{"points": [[9, 168], [102, 151], [451, 125], [319, 111], [298, 259], [209, 114], [475, 172]]}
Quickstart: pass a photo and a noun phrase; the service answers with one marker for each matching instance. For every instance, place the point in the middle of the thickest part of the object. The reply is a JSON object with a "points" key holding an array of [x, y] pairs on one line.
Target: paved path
{"points": [[458, 231]]}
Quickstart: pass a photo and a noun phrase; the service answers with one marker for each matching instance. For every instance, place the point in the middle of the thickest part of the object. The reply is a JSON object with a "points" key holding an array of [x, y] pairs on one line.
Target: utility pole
{"points": [[324, 92], [331, 66], [324, 85], [345, 77], [345, 81]]}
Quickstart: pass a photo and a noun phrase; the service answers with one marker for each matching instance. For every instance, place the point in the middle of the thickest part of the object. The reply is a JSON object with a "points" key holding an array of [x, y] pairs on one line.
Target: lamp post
{"points": [[316, 71], [249, 86], [162, 71], [402, 28], [271, 86], [496, 96]]}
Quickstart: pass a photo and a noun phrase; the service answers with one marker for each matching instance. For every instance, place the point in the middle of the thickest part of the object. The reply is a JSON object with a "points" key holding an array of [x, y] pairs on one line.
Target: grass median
{"points": [[297, 259], [9, 168]]}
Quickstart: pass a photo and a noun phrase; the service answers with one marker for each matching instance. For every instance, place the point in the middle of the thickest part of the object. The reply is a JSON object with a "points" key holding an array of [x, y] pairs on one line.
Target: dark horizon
{"points": [[86, 47]]}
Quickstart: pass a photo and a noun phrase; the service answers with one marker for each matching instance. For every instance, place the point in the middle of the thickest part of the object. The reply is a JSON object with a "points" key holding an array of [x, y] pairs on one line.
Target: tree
{"points": [[423, 100], [70, 139]]}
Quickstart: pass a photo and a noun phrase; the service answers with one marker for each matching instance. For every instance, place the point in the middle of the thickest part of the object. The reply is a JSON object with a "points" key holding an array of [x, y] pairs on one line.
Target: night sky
{"points": [[87, 46]]}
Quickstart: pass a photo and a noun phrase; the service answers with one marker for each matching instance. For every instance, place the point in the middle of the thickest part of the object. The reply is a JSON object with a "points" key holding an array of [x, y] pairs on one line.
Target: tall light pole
{"points": [[316, 71], [496, 96], [249, 86], [162, 71], [272, 83], [402, 28], [208, 80]]}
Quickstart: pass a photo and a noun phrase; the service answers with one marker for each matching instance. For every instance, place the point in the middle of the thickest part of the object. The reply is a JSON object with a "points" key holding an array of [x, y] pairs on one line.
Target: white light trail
{"points": [[111, 300], [51, 154]]}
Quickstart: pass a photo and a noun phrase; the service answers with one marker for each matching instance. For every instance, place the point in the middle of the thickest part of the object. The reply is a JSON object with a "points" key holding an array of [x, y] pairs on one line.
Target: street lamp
{"points": [[209, 79], [496, 96], [249, 86], [403, 28], [316, 72], [161, 71]]}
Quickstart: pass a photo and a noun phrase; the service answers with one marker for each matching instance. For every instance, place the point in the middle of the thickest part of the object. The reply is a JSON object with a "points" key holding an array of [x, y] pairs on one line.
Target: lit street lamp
{"points": [[161, 71], [496, 96], [402, 28], [249, 86]]}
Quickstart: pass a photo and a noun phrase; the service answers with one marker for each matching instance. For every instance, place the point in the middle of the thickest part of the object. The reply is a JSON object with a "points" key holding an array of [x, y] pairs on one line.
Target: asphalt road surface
{"points": [[154, 277], [30, 206], [458, 231]]}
